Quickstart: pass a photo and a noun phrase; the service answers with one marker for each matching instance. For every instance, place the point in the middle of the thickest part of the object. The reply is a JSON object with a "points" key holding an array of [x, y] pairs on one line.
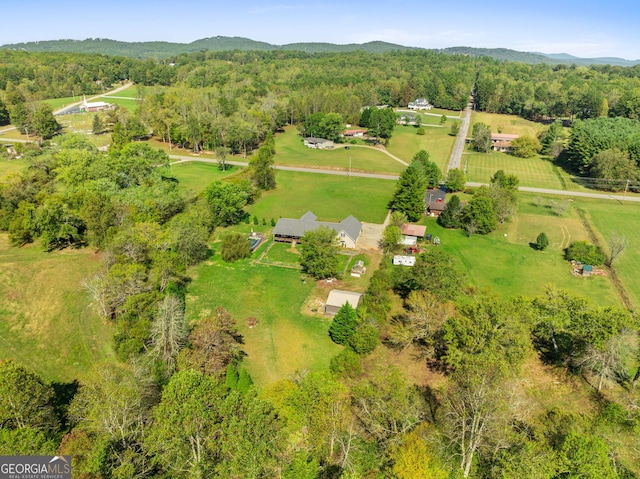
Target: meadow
{"points": [[286, 339], [331, 198], [290, 150], [405, 143], [505, 263], [510, 124], [47, 321], [194, 176]]}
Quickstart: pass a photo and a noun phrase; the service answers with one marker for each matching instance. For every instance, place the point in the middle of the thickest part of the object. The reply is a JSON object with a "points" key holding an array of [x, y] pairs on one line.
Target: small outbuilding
{"points": [[413, 230], [337, 298], [587, 270], [400, 260]]}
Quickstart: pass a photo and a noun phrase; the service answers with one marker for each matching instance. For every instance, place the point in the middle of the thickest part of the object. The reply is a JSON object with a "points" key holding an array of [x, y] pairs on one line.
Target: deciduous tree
{"points": [[319, 253]]}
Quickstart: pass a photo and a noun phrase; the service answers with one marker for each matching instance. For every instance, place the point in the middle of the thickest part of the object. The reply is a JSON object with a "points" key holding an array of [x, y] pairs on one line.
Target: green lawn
{"points": [[507, 265], [290, 150], [623, 218], [285, 340], [538, 172], [46, 319], [511, 124], [127, 104], [194, 177], [331, 198], [82, 122], [57, 103], [405, 143], [11, 166]]}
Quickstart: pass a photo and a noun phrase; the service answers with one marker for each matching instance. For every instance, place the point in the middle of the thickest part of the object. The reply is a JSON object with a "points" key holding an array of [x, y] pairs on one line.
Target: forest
{"points": [[177, 401]]}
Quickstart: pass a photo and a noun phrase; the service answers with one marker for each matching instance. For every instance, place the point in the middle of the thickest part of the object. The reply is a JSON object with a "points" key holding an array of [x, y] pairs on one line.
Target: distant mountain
{"points": [[168, 49]]}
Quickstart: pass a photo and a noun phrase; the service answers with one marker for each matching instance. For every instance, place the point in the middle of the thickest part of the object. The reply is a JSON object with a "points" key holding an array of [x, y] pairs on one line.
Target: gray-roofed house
{"points": [[318, 143], [290, 230]]}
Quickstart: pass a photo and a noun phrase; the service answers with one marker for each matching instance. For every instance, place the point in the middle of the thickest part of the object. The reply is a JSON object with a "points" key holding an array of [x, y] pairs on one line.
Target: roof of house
{"points": [[503, 137], [437, 206], [434, 195], [414, 230], [297, 228], [339, 298], [313, 140], [352, 132], [587, 267]]}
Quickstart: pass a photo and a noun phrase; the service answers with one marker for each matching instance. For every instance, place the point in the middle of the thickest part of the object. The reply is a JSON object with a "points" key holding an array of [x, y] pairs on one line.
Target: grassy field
{"points": [[506, 123], [507, 265], [290, 150], [286, 339], [194, 177], [57, 103], [405, 143], [11, 166], [83, 123], [608, 217], [537, 172], [46, 320], [331, 198]]}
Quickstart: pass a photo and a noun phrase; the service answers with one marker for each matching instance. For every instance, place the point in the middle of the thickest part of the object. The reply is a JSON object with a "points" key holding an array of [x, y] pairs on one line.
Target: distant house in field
{"points": [[357, 133], [91, 106], [502, 142], [318, 143], [338, 298], [419, 104], [434, 200], [291, 230], [407, 119]]}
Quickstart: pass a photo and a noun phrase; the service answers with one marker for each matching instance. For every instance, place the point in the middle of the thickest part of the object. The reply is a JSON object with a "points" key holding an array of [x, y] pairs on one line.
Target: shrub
{"points": [[585, 253], [542, 242], [364, 339], [234, 246], [420, 131], [346, 363], [343, 325]]}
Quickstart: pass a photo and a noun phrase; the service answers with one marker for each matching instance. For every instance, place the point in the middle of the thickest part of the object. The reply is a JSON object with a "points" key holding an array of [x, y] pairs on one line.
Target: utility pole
{"points": [[626, 188], [349, 172]]}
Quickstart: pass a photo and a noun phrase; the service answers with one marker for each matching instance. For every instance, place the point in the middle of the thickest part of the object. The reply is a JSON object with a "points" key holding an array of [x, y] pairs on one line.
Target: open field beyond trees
{"points": [[509, 266], [405, 143], [46, 320], [510, 124], [290, 150]]}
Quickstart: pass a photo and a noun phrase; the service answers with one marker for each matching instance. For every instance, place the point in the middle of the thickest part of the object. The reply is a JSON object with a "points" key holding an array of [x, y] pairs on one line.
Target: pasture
{"points": [[405, 143], [290, 150], [47, 321], [509, 266], [83, 123], [608, 217], [331, 198], [511, 124], [538, 172], [286, 339], [194, 176]]}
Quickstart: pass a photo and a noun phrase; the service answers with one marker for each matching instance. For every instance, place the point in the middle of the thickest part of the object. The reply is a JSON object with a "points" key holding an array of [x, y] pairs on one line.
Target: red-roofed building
{"points": [[414, 230], [355, 133]]}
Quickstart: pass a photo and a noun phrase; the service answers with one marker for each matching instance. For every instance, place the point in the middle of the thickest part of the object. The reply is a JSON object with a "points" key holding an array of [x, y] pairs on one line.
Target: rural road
{"points": [[458, 147], [545, 191], [62, 110]]}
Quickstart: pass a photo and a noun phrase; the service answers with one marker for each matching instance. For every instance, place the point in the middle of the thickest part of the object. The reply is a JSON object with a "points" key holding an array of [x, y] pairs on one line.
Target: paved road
{"points": [[62, 110], [184, 159], [458, 147], [545, 191]]}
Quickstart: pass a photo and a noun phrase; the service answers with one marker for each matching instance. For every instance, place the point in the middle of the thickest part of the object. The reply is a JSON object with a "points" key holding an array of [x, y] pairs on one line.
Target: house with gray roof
{"points": [[318, 143], [292, 230]]}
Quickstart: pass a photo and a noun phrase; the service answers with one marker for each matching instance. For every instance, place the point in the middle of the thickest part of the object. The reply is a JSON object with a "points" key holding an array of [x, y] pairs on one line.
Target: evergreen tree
{"points": [[409, 195], [450, 217], [542, 242], [343, 325], [97, 126]]}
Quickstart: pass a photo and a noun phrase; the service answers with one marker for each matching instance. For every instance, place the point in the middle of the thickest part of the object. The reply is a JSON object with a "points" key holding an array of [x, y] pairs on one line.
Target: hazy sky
{"points": [[584, 28]]}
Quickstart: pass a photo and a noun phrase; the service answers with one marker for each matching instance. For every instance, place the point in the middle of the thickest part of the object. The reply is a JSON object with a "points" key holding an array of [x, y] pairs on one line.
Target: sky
{"points": [[582, 28]]}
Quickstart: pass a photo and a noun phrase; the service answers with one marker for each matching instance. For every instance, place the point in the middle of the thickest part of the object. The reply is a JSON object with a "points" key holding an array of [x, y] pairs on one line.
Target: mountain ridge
{"points": [[163, 49]]}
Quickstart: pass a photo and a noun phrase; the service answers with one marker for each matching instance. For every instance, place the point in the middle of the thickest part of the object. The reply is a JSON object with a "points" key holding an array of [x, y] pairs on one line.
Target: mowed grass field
{"points": [[194, 176], [47, 322], [12, 166], [331, 198], [511, 124], [608, 217], [290, 150], [285, 340], [508, 266], [538, 172], [405, 143]]}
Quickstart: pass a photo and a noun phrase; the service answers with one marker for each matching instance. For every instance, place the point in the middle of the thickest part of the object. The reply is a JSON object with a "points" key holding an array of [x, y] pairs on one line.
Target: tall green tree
{"points": [[319, 253], [381, 122], [481, 137], [455, 180], [344, 324], [263, 174], [226, 202], [409, 195]]}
